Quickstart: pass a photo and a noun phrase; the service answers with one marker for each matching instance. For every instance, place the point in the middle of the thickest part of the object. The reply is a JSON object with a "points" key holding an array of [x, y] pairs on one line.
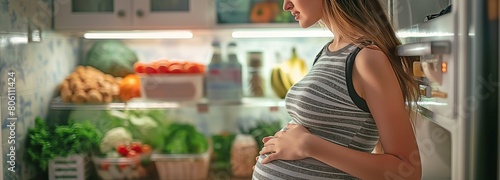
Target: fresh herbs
{"points": [[44, 142], [262, 129]]}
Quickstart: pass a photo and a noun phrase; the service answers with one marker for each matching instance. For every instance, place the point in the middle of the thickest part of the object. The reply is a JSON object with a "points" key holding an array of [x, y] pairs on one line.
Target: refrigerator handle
{"points": [[424, 48]]}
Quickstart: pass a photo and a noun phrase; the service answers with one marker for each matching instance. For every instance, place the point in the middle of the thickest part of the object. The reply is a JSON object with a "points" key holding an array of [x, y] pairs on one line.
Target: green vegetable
{"points": [[182, 138], [262, 129], [103, 120], [111, 57], [45, 143], [146, 130], [38, 145], [146, 126], [222, 144]]}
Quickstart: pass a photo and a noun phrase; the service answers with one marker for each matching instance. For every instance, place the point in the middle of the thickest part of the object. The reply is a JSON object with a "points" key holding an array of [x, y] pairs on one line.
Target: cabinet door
{"points": [[172, 14], [92, 14]]}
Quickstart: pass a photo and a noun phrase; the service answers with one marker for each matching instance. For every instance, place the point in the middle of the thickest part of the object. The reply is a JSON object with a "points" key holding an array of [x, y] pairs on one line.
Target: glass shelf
{"points": [[57, 104]]}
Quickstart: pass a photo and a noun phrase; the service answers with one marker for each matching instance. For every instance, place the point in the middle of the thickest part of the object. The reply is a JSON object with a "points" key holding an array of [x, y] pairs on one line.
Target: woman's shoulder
{"points": [[372, 57]]}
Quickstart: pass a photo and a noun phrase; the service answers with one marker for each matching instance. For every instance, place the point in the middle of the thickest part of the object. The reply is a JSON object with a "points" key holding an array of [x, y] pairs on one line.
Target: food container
{"points": [[77, 167], [138, 167], [182, 166], [243, 153], [172, 87]]}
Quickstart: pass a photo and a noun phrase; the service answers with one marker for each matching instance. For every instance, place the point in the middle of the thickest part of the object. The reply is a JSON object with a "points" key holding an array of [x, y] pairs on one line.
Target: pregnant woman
{"points": [[357, 96]]}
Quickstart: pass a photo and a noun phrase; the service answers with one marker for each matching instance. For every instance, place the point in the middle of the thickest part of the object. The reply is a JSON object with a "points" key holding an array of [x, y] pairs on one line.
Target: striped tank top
{"points": [[326, 104]]}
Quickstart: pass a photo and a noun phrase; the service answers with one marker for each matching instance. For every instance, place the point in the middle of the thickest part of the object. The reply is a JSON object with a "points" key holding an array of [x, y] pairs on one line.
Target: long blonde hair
{"points": [[365, 20]]}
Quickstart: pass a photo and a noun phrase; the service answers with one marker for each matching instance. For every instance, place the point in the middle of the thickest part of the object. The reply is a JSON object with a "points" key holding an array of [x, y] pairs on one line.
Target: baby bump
{"points": [[306, 169]]}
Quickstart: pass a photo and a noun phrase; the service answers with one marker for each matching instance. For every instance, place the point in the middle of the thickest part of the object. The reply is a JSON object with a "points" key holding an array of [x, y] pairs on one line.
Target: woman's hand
{"points": [[288, 144]]}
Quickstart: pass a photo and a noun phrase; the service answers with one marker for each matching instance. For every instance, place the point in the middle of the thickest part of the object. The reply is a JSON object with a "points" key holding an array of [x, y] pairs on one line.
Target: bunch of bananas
{"points": [[287, 73]]}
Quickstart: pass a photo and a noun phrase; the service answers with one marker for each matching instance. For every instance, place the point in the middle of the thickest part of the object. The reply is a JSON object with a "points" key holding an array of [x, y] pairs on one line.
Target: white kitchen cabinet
{"points": [[132, 14]]}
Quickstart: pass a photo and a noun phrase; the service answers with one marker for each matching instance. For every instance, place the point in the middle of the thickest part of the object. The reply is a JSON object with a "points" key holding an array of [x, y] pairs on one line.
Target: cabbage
{"points": [[111, 57], [147, 130], [103, 120]]}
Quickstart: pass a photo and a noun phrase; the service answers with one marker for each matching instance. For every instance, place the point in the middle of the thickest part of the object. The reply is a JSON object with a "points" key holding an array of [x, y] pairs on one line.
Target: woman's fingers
{"points": [[265, 139], [269, 158], [270, 142], [267, 149]]}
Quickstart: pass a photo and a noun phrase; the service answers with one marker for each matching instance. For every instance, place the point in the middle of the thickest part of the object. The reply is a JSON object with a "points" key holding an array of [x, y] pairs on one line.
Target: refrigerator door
{"points": [[457, 70]]}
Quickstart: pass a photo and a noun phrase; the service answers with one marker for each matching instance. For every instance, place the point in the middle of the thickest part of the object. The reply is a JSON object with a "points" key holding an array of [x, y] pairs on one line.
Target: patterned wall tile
{"points": [[39, 68], [15, 15], [38, 64]]}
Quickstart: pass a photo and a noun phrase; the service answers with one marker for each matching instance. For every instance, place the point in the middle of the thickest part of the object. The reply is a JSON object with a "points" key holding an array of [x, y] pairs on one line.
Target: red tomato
{"points": [[162, 68], [175, 68], [122, 165], [150, 69], [104, 166], [136, 147], [122, 149], [201, 67], [192, 68], [139, 67], [131, 154]]}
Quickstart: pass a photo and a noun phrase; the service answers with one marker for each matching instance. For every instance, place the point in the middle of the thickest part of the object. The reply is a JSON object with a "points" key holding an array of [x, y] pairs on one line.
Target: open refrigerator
{"points": [[455, 47]]}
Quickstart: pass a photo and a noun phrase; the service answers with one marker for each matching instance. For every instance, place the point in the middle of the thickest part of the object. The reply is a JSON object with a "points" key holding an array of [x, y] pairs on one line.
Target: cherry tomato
{"points": [[122, 149], [131, 154], [202, 68], [104, 166], [122, 165], [150, 69], [175, 68], [192, 68], [139, 67], [136, 147]]}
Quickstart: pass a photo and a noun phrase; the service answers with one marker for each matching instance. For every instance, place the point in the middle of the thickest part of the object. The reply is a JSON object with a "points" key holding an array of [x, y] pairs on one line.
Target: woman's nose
{"points": [[287, 5]]}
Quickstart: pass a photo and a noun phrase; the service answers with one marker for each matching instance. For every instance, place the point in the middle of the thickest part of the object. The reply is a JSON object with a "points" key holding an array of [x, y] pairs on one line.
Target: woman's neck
{"points": [[338, 43]]}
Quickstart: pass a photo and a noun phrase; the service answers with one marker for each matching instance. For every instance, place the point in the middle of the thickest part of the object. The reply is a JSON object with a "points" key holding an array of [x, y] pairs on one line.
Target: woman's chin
{"points": [[304, 24]]}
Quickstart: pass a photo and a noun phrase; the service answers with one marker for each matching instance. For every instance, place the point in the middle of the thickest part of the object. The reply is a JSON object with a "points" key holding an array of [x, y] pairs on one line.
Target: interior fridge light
{"points": [[140, 35], [280, 33]]}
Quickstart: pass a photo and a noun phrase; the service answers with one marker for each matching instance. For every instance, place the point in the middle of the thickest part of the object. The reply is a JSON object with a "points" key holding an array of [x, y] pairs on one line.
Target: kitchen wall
{"points": [[38, 68]]}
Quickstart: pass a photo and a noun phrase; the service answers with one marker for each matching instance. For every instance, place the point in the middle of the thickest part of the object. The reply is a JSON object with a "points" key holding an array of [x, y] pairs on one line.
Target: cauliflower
{"points": [[114, 137]]}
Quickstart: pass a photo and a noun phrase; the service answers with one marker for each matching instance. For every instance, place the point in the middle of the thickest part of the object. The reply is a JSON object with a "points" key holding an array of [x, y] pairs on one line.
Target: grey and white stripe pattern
{"points": [[321, 103]]}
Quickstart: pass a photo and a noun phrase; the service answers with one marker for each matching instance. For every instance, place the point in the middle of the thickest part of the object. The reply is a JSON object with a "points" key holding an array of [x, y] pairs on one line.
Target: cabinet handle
{"points": [[121, 13], [139, 13]]}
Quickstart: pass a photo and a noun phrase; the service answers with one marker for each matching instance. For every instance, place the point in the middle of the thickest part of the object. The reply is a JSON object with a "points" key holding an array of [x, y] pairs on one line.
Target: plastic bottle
{"points": [[215, 83], [234, 73]]}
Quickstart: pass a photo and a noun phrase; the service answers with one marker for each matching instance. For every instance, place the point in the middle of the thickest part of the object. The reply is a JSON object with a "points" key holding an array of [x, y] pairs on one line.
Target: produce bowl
{"points": [[138, 167], [182, 166]]}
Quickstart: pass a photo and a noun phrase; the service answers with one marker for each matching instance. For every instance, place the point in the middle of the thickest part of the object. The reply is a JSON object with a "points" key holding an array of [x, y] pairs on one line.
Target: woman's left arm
{"points": [[379, 87]]}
